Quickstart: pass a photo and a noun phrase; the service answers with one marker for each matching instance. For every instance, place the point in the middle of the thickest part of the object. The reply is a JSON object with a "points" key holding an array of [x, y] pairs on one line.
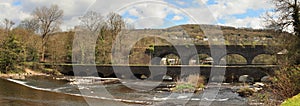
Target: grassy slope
{"points": [[294, 101]]}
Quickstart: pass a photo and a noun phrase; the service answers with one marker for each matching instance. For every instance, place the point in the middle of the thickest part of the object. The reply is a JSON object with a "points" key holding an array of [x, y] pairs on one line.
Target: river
{"points": [[46, 91]]}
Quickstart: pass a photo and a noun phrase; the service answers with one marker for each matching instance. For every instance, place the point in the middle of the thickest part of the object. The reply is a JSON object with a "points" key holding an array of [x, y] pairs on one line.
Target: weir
{"points": [[156, 72]]}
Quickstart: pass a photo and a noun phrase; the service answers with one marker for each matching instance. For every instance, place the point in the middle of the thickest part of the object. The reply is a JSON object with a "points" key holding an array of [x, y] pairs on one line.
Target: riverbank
{"points": [[27, 72]]}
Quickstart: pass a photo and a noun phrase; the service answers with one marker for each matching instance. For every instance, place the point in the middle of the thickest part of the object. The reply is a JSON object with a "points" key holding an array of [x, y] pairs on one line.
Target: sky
{"points": [[149, 13]]}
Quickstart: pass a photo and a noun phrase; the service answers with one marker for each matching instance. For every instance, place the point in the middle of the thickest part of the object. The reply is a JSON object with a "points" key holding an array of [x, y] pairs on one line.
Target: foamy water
{"points": [[25, 84]]}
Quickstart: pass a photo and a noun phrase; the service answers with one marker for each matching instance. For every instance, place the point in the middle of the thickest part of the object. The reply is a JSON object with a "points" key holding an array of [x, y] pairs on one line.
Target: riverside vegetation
{"points": [[192, 83]]}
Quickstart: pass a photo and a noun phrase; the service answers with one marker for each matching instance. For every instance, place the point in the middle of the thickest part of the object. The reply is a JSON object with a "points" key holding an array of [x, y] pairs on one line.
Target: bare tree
{"points": [[49, 21], [31, 25], [91, 30], [8, 25], [103, 31], [286, 14], [92, 21], [115, 23]]}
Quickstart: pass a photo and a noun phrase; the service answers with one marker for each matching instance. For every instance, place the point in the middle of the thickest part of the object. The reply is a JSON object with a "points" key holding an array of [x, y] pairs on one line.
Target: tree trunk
{"points": [[43, 49], [295, 16]]}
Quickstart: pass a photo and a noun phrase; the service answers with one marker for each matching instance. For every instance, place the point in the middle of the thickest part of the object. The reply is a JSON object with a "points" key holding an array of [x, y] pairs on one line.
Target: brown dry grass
{"points": [[195, 80], [286, 82]]}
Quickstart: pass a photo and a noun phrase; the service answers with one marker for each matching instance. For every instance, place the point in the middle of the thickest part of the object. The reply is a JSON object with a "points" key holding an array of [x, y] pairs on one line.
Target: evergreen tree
{"points": [[11, 55]]}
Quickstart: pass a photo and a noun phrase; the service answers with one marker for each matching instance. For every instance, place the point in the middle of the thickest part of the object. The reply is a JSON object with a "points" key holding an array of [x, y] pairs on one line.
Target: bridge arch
{"points": [[199, 59], [264, 59], [233, 58], [163, 59], [248, 52]]}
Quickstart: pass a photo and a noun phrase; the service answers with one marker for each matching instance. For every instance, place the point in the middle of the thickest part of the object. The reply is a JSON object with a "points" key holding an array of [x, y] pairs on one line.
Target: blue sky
{"points": [[162, 14], [16, 3]]}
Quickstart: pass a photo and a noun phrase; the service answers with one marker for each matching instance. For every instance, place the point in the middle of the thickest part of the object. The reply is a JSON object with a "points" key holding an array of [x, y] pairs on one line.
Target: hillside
{"points": [[232, 35], [199, 34]]}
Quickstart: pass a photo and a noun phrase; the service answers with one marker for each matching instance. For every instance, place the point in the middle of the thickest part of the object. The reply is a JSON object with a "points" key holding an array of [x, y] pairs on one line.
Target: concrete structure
{"points": [[217, 52]]}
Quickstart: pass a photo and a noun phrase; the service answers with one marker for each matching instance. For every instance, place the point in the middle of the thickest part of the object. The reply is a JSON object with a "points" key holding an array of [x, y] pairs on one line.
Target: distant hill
{"points": [[199, 33], [196, 29], [232, 35]]}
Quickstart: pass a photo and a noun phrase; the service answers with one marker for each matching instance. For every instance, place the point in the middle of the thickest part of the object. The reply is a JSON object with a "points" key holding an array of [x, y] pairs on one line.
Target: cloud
{"points": [[201, 15], [72, 9], [148, 13], [223, 8], [11, 12], [176, 18], [162, 15], [150, 22], [180, 2], [253, 22], [240, 13], [149, 10], [152, 14], [204, 1], [129, 20], [70, 23]]}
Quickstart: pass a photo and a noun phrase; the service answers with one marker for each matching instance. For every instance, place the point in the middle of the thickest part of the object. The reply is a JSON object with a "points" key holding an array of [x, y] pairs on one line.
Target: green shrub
{"points": [[184, 86]]}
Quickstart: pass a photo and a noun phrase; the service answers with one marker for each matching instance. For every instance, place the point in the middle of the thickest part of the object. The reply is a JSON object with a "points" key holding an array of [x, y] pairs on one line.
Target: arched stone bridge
{"points": [[217, 52]]}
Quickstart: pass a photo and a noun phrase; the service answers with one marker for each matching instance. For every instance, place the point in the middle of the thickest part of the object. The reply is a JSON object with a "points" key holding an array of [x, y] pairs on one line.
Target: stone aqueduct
{"points": [[175, 71], [217, 52]]}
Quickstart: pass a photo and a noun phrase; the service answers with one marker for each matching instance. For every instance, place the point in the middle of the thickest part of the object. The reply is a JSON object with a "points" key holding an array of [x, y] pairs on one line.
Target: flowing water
{"points": [[46, 91]]}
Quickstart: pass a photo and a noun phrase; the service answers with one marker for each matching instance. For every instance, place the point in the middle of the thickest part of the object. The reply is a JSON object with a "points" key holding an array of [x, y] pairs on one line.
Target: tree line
{"points": [[40, 39]]}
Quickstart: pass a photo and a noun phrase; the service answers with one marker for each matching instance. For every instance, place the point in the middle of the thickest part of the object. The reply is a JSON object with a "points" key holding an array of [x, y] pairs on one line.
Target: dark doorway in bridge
{"points": [[233, 59], [170, 59], [264, 59], [201, 59]]}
